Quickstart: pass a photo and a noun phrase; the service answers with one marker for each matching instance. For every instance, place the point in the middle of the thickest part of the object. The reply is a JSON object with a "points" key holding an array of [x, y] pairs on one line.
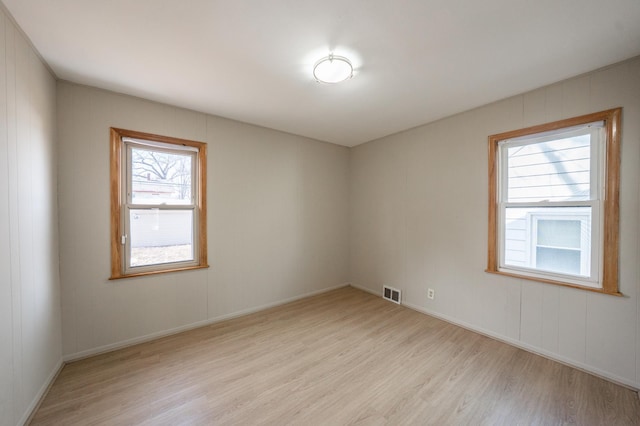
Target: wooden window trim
{"points": [[611, 204], [117, 249]]}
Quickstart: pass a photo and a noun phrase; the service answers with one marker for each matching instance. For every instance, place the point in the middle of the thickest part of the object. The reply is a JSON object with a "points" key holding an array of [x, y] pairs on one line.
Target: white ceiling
{"points": [[251, 60]]}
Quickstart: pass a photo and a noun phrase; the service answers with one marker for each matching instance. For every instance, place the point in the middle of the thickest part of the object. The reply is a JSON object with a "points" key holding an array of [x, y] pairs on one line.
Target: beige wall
{"points": [[30, 336], [419, 221], [277, 218]]}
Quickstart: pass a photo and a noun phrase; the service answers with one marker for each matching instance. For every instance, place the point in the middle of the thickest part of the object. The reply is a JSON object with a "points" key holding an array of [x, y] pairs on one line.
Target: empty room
{"points": [[319, 213]]}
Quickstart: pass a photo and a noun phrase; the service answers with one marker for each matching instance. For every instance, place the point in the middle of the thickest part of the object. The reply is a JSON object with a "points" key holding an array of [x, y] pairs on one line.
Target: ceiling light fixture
{"points": [[333, 69]]}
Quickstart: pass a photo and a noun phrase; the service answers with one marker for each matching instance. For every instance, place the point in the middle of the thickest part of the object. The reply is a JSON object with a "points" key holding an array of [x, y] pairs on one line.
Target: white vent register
{"points": [[391, 294]]}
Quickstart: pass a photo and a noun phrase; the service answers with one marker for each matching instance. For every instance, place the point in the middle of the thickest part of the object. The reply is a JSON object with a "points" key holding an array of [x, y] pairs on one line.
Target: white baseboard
{"points": [[44, 389], [368, 290], [518, 344], [152, 336]]}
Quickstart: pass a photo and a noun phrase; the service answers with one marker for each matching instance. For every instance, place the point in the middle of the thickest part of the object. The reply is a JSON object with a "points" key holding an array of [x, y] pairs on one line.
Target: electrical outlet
{"points": [[431, 294]]}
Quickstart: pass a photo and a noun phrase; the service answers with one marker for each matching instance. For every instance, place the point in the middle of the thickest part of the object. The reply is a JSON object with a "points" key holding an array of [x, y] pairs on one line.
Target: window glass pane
{"points": [[559, 233], [159, 177], [558, 260], [161, 236], [557, 170], [565, 231]]}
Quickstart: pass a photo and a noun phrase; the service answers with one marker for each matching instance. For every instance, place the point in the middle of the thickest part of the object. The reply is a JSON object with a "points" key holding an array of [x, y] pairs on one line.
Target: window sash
{"points": [[594, 278], [163, 265], [129, 204], [596, 187], [596, 194], [128, 159]]}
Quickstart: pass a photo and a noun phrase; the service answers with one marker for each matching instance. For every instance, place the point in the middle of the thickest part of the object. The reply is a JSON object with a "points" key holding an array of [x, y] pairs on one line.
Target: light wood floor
{"points": [[344, 357]]}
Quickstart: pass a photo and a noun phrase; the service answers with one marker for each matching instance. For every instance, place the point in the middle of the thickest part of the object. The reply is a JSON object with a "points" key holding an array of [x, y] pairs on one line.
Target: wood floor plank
{"points": [[343, 357]]}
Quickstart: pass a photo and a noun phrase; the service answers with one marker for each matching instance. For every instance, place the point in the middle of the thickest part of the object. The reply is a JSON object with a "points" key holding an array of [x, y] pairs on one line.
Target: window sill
{"points": [[163, 271], [561, 283]]}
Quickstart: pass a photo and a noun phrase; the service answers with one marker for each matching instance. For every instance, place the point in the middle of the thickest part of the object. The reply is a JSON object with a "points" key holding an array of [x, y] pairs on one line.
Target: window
{"points": [[553, 202], [562, 244], [158, 206]]}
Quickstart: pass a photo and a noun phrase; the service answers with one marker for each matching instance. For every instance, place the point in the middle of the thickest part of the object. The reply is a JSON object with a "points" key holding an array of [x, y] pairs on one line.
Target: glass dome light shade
{"points": [[332, 69]]}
